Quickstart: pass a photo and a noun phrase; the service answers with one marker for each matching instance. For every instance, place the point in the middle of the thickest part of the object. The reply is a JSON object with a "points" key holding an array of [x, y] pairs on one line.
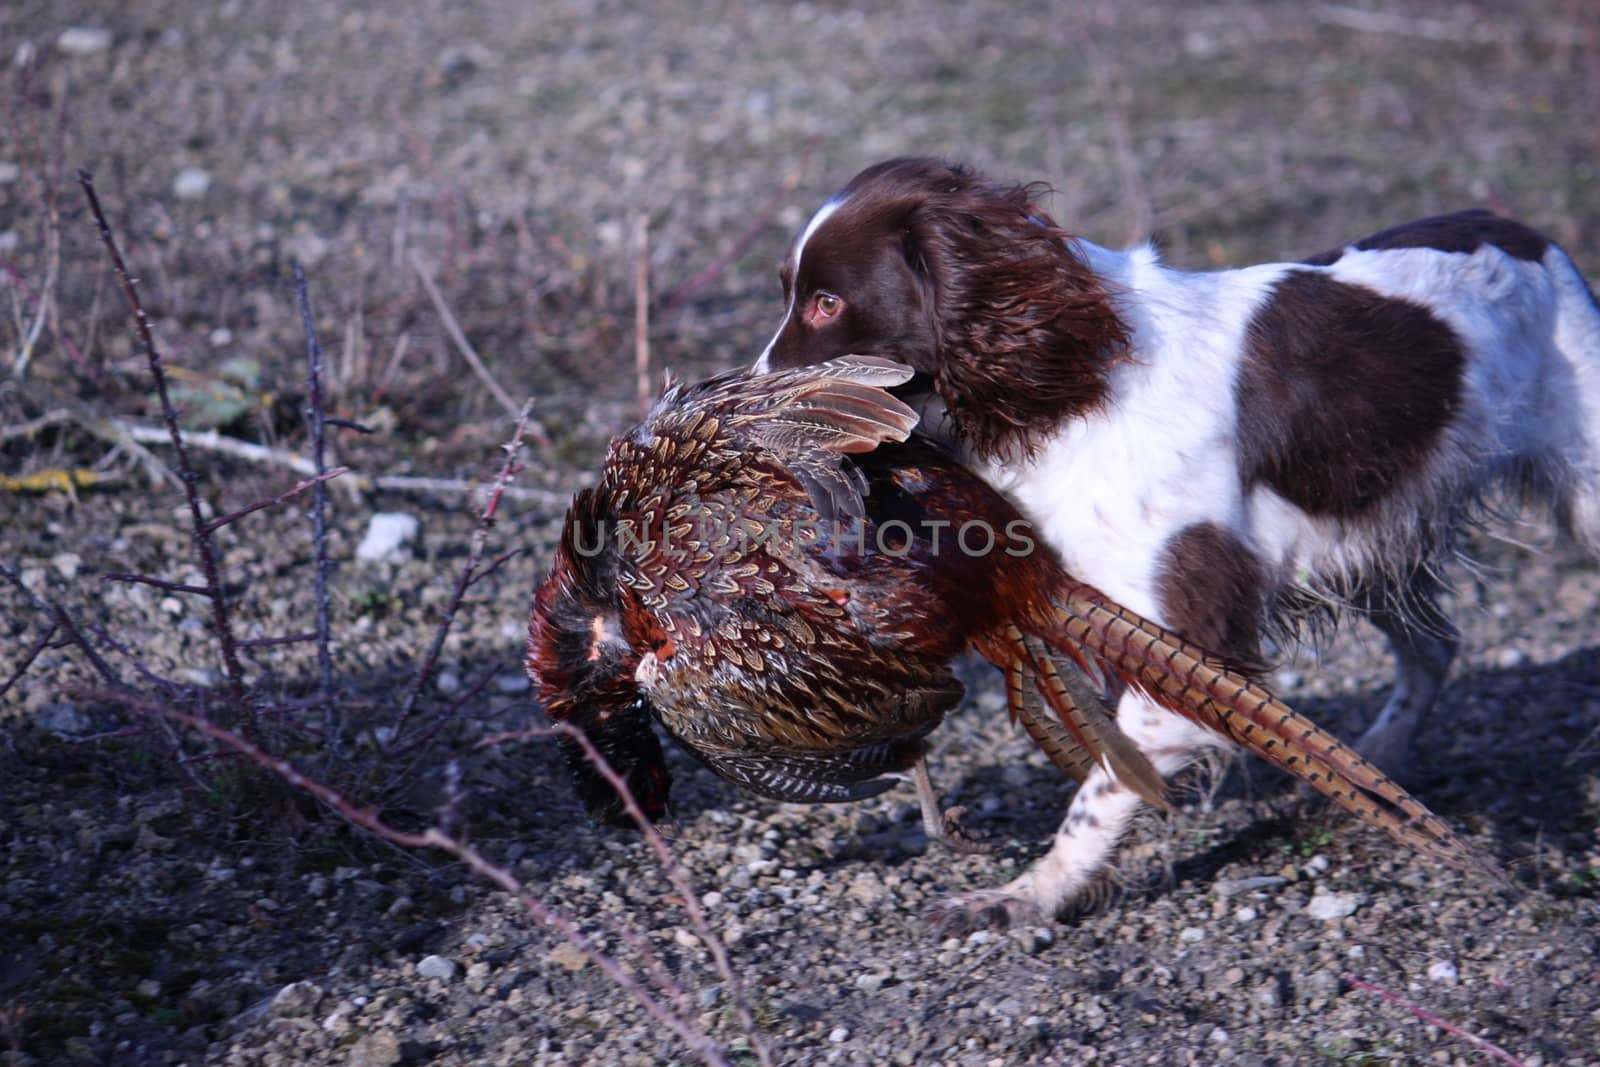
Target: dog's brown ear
{"points": [[1026, 332]]}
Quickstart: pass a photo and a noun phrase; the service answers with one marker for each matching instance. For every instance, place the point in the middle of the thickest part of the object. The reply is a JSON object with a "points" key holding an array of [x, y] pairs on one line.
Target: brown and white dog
{"points": [[1219, 451]]}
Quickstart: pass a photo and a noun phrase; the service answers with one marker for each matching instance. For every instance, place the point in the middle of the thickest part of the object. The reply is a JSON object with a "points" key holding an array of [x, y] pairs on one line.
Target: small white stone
{"points": [[1192, 934], [1244, 915], [1443, 971], [390, 535], [685, 938], [1219, 1036], [83, 40], [9, 172], [512, 683], [296, 999], [839, 1034], [1330, 906], [221, 337], [437, 967], [191, 183], [149, 988]]}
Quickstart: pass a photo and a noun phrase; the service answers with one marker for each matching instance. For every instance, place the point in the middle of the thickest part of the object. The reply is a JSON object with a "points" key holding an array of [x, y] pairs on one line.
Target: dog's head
{"points": [[966, 280]]}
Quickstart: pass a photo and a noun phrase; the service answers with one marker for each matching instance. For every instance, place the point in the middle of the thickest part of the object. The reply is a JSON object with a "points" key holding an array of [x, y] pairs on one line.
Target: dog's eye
{"points": [[827, 305]]}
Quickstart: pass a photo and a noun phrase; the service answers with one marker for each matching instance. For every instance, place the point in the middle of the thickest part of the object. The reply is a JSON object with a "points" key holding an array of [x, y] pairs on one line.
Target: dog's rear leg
{"points": [[1424, 642], [1084, 845]]}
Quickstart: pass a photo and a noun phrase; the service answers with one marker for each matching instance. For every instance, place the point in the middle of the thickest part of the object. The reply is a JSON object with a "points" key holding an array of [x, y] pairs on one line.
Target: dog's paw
{"points": [[985, 909]]}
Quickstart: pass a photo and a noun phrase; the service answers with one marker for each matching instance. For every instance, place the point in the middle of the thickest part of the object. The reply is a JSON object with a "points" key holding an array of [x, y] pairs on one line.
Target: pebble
{"points": [[296, 999], [83, 40], [437, 967], [390, 537], [1227, 887], [1191, 934], [567, 956], [380, 1049], [191, 183], [839, 1034], [511, 684], [66, 564], [1330, 906], [1443, 971], [63, 719]]}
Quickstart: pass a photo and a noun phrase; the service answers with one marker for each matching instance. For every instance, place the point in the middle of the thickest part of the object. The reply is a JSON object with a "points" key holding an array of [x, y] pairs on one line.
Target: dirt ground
{"points": [[160, 908]]}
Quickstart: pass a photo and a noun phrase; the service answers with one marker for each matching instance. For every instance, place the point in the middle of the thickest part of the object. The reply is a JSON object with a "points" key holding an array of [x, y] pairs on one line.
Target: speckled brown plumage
{"points": [[760, 569]]}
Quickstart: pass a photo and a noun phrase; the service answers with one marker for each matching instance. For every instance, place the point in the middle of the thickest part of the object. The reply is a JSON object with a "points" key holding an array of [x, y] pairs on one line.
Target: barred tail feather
{"points": [[1183, 678]]}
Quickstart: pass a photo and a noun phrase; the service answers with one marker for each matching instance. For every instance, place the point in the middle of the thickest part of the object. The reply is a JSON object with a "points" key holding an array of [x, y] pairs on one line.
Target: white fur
{"points": [[764, 364], [1109, 491]]}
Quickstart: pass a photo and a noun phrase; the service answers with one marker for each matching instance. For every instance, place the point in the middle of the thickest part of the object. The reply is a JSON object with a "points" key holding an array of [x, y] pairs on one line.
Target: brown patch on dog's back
{"points": [[1342, 393], [1464, 231], [1212, 591]]}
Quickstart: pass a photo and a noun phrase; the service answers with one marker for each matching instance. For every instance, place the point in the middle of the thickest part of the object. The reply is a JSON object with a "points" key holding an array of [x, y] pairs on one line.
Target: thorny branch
{"points": [[204, 546], [469, 572], [1433, 1020], [434, 837], [332, 728], [669, 866]]}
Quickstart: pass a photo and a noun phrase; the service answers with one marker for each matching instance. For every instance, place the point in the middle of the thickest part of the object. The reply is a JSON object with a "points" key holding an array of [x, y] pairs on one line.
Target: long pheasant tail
{"points": [[1052, 737], [1086, 714], [1182, 677]]}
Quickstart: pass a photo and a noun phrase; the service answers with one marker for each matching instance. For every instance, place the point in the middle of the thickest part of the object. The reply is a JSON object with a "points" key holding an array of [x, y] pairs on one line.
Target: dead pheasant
{"points": [[784, 596]]}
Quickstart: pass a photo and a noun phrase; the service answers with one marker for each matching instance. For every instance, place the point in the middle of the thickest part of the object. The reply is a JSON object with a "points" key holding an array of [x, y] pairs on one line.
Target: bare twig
{"points": [[204, 546], [406, 484], [32, 654], [33, 426], [1109, 86], [486, 518], [669, 866], [58, 615], [210, 440], [1433, 1020], [318, 483], [436, 838], [332, 728], [641, 312], [161, 584], [763, 218], [464, 346]]}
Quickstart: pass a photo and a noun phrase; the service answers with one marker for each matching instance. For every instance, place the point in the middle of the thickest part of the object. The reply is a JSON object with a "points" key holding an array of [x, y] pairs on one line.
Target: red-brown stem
{"points": [[669, 866], [1433, 1020], [435, 838], [288, 494], [430, 659]]}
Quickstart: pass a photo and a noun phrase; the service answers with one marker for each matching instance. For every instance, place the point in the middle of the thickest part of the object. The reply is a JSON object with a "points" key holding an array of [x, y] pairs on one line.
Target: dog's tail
{"points": [[1577, 335]]}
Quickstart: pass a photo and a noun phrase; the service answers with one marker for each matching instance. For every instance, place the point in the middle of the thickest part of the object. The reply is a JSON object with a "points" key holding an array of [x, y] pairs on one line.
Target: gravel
{"points": [[145, 921]]}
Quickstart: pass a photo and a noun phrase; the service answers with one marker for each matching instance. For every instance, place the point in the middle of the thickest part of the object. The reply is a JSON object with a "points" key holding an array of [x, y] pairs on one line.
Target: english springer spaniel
{"points": [[1223, 452]]}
